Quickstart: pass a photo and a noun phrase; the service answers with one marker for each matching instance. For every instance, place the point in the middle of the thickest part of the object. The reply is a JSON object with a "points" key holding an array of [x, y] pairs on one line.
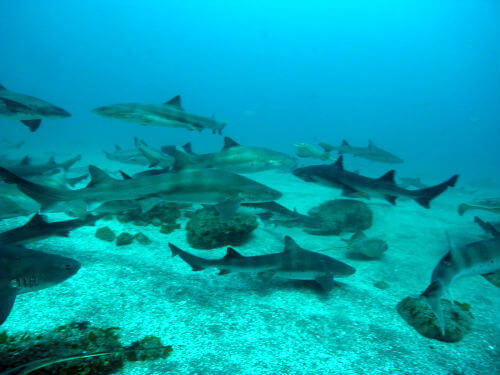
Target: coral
{"points": [[207, 230], [458, 318], [341, 215], [72, 340], [105, 234]]}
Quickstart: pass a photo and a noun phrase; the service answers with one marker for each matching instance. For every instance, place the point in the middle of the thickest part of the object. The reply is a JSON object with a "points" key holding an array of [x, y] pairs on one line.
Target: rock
{"points": [[169, 228], [458, 318], [72, 340], [105, 234], [381, 285], [206, 230], [124, 239], [162, 213], [341, 215], [143, 239]]}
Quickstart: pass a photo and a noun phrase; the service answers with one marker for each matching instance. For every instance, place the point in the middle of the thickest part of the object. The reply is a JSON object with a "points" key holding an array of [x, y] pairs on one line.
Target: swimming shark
{"points": [[356, 185], [206, 186], [293, 262], [169, 114], [304, 150], [26, 168], [23, 270], [156, 158], [126, 156], [38, 228], [476, 258], [28, 109], [372, 152], [464, 207], [234, 157]]}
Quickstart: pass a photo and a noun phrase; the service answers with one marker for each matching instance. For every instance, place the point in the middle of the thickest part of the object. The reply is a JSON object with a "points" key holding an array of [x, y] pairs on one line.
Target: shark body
{"points": [[356, 185], [28, 109], [170, 114], [293, 262], [26, 168], [372, 152], [126, 156]]}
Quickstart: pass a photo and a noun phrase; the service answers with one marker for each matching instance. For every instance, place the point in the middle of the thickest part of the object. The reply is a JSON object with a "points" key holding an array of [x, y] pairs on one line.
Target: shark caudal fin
{"points": [[432, 296], [45, 195], [425, 196], [186, 257]]}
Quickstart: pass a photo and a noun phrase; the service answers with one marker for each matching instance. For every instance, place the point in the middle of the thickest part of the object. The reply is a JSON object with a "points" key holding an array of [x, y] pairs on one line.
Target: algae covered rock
{"points": [[124, 239], [161, 214], [341, 215], [54, 350], [143, 239], [458, 318], [105, 234], [207, 230]]}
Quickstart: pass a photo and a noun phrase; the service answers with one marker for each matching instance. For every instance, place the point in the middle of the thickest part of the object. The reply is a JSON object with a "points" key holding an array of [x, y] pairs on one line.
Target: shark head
{"points": [[56, 112], [34, 270], [305, 173]]}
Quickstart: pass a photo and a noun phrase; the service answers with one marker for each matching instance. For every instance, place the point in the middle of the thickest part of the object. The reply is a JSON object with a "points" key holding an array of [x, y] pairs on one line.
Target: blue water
{"points": [[420, 78]]}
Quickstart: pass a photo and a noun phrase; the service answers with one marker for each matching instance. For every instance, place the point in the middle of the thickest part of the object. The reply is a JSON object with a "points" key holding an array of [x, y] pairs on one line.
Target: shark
{"points": [[372, 152], [278, 214], [464, 207], [356, 185], [170, 114], [38, 228], [476, 258], [156, 158], [26, 167], [236, 158], [126, 156], [205, 186], [293, 263], [28, 109], [23, 270], [305, 150]]}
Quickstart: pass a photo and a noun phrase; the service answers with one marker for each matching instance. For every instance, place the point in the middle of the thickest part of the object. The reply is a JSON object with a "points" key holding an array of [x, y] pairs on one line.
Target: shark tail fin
{"points": [[462, 208], [186, 257], [432, 296], [68, 163], [425, 196], [45, 195]]}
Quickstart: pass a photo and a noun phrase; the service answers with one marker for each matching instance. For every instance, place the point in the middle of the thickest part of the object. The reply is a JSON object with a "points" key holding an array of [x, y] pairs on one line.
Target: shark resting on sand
{"points": [[476, 258], [293, 262]]}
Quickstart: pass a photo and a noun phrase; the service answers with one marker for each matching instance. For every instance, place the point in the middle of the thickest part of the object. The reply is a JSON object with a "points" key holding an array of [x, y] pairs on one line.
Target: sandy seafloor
{"points": [[237, 324]]}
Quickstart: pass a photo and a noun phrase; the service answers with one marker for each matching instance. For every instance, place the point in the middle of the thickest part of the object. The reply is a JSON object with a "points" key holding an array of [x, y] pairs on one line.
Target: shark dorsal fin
{"points": [[487, 227], [339, 164], [231, 254], [188, 148], [125, 176], [389, 177], [175, 102], [36, 220], [181, 161], [371, 145], [98, 176], [345, 143], [2, 88], [26, 160], [291, 245], [118, 148], [229, 142]]}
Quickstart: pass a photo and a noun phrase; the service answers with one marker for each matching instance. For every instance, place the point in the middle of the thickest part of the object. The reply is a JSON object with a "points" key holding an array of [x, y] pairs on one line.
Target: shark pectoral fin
{"points": [[224, 272], [228, 208], [326, 282], [7, 299], [266, 275], [32, 124], [147, 204], [348, 191], [391, 199]]}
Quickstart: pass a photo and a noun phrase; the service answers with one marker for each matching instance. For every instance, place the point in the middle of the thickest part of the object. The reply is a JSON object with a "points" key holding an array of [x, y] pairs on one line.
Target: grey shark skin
{"points": [[280, 215], [237, 158], [23, 270], [28, 109], [352, 184], [169, 114], [26, 168], [372, 152], [156, 158], [294, 263], [464, 207], [476, 258], [186, 186], [38, 228], [126, 156]]}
